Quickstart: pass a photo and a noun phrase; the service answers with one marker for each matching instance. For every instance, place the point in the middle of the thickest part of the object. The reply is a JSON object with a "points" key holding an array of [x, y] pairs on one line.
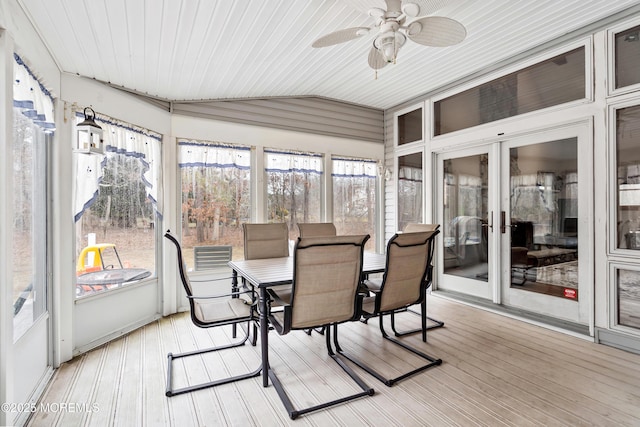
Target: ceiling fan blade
{"points": [[436, 31], [340, 36], [376, 59], [426, 7]]}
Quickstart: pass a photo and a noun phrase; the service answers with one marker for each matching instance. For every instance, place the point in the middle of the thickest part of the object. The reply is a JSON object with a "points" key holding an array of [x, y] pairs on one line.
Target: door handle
{"points": [[490, 225], [503, 226]]}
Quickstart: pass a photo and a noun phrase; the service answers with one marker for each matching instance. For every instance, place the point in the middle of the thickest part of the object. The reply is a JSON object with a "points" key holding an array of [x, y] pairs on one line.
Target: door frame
{"points": [[583, 131]]}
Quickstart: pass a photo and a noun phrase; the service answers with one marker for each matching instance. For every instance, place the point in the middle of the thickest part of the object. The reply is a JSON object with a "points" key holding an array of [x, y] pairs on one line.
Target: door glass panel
{"points": [[628, 166], [29, 221], [465, 217], [544, 218], [627, 61], [410, 185]]}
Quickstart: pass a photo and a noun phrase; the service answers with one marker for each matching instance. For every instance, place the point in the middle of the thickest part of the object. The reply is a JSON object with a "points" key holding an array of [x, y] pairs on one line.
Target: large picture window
{"points": [[116, 205], [294, 182], [354, 197], [216, 197]]}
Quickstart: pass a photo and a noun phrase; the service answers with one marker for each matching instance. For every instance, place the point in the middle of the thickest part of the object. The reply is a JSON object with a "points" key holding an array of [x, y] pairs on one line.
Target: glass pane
{"points": [[410, 127], [544, 218], [628, 298], [29, 222], [294, 183], [354, 197], [410, 187], [116, 236], [627, 61], [628, 166], [552, 82], [465, 237], [216, 196]]}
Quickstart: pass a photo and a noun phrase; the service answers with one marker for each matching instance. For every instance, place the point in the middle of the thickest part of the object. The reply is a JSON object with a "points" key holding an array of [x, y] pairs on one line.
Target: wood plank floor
{"points": [[496, 371]]}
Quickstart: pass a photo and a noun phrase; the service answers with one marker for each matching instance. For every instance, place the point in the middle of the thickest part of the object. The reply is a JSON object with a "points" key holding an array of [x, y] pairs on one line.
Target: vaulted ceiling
{"points": [[187, 50]]}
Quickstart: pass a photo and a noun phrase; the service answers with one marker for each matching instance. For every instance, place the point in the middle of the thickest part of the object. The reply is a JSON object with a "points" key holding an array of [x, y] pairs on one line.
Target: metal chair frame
{"points": [[285, 327], [250, 321], [432, 361]]}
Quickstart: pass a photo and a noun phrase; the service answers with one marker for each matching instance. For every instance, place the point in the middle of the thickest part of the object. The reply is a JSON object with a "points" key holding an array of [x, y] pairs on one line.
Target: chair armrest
{"points": [[284, 327], [210, 280], [230, 294]]}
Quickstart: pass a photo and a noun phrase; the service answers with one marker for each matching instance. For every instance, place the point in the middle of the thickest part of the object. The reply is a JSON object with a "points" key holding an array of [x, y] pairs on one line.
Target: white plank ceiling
{"points": [[236, 49]]}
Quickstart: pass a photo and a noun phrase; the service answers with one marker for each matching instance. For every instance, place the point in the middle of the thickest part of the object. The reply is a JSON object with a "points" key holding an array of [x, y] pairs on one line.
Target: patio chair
{"points": [[211, 311], [432, 323], [316, 229], [326, 275], [408, 259], [267, 241]]}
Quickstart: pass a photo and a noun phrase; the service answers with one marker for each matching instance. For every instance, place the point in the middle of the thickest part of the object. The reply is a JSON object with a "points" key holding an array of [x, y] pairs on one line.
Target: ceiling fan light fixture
{"points": [[389, 44]]}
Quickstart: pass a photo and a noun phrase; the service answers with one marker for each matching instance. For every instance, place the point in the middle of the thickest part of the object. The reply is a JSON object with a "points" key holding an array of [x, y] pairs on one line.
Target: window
{"points": [[627, 57], [628, 296], [410, 188], [354, 197], [33, 129], [116, 209], [216, 197], [294, 182], [552, 82], [409, 127], [628, 167]]}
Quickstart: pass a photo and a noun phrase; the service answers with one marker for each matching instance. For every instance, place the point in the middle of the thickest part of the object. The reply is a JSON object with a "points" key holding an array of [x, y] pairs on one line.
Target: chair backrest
{"points": [[181, 266], [409, 256], [326, 275], [414, 227], [317, 229], [265, 240]]}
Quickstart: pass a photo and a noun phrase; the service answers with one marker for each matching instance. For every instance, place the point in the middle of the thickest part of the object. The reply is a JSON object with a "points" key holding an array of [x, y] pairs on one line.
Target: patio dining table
{"points": [[270, 272]]}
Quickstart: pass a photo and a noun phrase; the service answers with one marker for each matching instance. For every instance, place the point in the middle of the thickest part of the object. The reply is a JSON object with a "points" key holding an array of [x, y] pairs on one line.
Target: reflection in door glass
{"points": [[465, 217], [544, 218]]}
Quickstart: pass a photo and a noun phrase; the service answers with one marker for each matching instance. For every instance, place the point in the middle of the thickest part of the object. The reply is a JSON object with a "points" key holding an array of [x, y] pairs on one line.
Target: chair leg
{"points": [[171, 357], [391, 381], [295, 413], [435, 323]]}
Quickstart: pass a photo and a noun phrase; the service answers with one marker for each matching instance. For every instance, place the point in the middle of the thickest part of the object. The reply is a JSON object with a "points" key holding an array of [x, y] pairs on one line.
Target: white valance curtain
{"points": [[215, 155], [31, 97], [287, 161], [407, 173], [354, 168], [119, 138]]}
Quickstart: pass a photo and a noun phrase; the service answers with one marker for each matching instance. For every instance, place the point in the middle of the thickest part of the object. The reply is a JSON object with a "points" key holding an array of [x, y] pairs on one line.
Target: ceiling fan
{"points": [[393, 30]]}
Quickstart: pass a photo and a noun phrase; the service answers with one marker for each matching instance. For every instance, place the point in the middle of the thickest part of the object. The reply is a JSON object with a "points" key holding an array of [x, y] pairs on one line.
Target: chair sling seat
{"points": [[409, 256], [233, 308]]}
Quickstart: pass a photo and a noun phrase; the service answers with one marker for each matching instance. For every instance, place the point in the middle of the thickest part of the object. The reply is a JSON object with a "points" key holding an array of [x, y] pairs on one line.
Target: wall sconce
{"points": [[89, 134], [387, 174]]}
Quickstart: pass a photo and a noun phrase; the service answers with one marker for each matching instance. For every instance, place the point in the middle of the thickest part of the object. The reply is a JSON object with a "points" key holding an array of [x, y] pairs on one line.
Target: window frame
{"points": [[611, 58]]}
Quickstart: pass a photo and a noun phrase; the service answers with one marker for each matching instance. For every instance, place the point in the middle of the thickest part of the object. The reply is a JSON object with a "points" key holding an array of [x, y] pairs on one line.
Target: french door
{"points": [[466, 195], [546, 198], [515, 218]]}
